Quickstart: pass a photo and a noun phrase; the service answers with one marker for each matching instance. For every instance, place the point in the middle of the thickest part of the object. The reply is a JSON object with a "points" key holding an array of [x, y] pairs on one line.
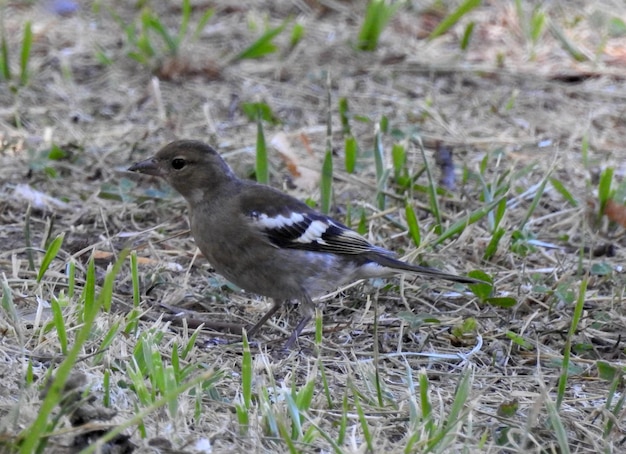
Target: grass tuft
{"points": [[264, 45], [455, 16], [377, 15]]}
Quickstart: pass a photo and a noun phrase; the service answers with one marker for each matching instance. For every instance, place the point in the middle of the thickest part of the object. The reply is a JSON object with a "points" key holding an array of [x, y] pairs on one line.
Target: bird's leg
{"points": [[308, 309], [265, 318]]}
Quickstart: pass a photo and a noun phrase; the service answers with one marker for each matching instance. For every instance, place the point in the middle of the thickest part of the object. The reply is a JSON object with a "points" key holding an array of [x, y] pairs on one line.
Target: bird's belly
{"points": [[285, 274]]}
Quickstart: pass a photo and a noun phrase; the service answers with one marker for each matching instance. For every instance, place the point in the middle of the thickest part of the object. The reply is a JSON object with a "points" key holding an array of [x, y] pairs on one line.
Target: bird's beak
{"points": [[149, 166]]}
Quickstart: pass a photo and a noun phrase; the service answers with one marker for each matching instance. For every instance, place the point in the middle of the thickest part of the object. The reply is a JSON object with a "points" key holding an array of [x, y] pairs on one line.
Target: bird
{"points": [[267, 242]]}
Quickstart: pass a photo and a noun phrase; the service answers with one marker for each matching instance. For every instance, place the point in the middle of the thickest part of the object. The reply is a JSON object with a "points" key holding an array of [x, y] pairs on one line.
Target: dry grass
{"points": [[527, 109]]}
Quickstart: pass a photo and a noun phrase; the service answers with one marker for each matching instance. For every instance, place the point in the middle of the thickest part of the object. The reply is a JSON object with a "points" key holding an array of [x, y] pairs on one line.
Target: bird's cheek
{"points": [[196, 196]]}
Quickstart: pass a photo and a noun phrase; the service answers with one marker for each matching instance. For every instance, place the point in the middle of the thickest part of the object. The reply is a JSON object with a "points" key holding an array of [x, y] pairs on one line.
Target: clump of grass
{"points": [[430, 433], [532, 26], [260, 110], [148, 363], [141, 35], [265, 45], [21, 79], [377, 15], [455, 16], [35, 437]]}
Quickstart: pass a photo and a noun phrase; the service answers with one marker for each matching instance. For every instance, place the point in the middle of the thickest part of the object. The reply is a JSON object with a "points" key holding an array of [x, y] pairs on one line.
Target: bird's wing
{"points": [[289, 223]]}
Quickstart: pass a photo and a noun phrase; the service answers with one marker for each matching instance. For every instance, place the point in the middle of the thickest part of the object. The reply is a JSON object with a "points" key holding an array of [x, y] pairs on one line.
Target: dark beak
{"points": [[149, 166]]}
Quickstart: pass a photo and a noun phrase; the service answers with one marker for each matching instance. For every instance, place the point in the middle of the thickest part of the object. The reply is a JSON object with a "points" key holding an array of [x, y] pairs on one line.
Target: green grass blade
{"points": [[305, 396], [537, 25], [191, 343], [567, 349], [459, 225], [51, 253], [254, 110], [59, 324], [377, 15], [363, 421], [614, 390], [34, 435], [432, 188], [327, 392], [5, 68], [438, 441], [499, 214], [398, 157], [106, 293], [556, 423], [451, 19], [411, 220], [153, 22], [207, 379], [246, 373], [10, 310], [262, 166], [184, 22], [108, 339], [106, 388], [584, 151], [492, 247], [536, 199], [28, 240], [343, 422], [561, 189], [326, 185], [467, 35], [461, 395], [319, 328], [344, 116], [351, 153], [567, 44], [134, 273], [208, 14], [604, 187], [377, 378], [297, 33], [27, 42], [380, 168], [287, 438], [426, 405], [71, 278], [263, 45]]}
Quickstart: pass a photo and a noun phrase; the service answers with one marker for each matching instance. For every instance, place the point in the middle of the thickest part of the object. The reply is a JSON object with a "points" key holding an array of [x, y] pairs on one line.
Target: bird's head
{"points": [[191, 167]]}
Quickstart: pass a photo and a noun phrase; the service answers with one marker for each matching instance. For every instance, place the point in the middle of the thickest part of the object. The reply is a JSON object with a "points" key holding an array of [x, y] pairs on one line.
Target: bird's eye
{"points": [[178, 163]]}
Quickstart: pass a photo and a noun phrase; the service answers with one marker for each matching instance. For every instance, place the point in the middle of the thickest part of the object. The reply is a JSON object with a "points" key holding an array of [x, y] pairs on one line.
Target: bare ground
{"points": [[526, 111]]}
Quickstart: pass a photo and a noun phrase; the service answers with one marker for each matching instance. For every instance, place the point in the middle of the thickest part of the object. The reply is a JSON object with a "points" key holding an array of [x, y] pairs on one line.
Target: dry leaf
{"points": [[303, 176], [616, 212]]}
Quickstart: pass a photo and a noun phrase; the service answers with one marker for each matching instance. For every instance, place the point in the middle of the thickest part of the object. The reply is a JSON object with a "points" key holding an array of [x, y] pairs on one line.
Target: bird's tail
{"points": [[390, 262]]}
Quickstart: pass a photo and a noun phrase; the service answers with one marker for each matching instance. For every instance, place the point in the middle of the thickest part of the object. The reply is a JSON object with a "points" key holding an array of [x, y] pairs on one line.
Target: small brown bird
{"points": [[266, 241]]}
